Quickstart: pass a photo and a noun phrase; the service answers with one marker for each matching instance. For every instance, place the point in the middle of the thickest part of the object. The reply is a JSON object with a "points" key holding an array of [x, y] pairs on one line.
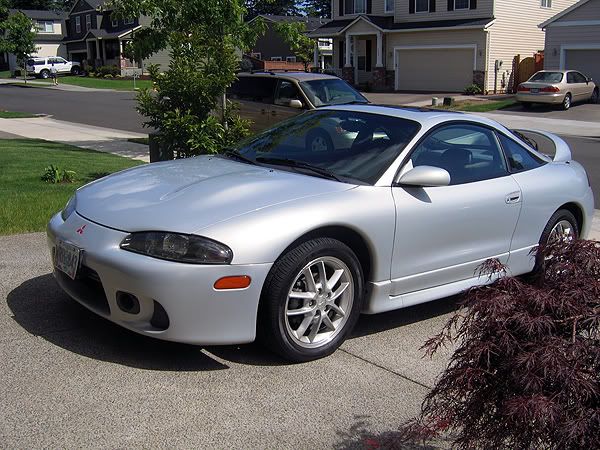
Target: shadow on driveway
{"points": [[43, 309]]}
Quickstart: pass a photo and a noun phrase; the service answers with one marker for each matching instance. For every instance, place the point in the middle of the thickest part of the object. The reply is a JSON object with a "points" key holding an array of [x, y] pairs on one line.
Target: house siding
{"points": [[559, 36], [507, 41], [588, 11]]}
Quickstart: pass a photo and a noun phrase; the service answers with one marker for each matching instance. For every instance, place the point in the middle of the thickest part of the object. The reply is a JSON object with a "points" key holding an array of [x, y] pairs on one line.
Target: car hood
{"points": [[189, 194]]}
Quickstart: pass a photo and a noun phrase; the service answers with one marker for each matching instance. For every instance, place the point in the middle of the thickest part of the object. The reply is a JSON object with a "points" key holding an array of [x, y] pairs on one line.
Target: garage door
{"points": [[447, 70], [586, 61]]}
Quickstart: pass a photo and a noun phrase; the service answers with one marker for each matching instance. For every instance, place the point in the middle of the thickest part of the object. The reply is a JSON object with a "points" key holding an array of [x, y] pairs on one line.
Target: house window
{"points": [[290, 59], [422, 6], [360, 6], [129, 21], [461, 4], [546, 3], [389, 6], [88, 21], [77, 24], [276, 58], [45, 26]]}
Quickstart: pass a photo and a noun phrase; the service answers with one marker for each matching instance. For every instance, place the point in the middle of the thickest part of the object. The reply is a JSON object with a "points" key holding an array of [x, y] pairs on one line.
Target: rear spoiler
{"points": [[562, 151]]}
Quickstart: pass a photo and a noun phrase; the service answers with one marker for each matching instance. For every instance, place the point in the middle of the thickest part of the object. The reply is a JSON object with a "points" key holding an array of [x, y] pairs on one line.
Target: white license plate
{"points": [[66, 258], [535, 91]]}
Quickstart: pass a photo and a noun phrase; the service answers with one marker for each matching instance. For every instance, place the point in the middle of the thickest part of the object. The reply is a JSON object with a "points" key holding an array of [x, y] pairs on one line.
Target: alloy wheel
{"points": [[562, 231], [319, 302]]}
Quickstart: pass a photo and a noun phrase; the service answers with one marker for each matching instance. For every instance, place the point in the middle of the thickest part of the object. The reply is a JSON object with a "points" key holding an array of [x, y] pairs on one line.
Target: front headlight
{"points": [[186, 248], [69, 208]]}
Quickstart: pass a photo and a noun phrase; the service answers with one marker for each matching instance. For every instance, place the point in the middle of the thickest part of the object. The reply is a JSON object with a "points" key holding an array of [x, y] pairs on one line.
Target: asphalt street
{"points": [[587, 152]]}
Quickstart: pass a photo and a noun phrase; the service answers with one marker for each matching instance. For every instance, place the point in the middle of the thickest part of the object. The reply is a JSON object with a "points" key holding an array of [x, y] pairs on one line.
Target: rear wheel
{"points": [[311, 300], [75, 70], [45, 74], [562, 226], [566, 103]]}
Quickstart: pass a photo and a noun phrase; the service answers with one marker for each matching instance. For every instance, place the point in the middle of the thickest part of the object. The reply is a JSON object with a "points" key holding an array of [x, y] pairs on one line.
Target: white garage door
{"points": [[586, 61], [447, 69]]}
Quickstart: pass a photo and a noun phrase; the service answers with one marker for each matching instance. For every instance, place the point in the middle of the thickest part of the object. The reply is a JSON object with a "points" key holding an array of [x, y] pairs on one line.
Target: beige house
{"points": [[573, 39], [49, 26], [435, 45]]}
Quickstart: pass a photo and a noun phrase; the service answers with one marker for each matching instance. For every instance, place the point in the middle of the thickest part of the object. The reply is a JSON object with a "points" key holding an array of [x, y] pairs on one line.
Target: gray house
{"points": [[573, 39]]}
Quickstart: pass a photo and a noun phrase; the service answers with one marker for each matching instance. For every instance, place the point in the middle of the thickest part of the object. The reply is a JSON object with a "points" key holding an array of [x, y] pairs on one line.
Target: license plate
{"points": [[535, 91], [66, 258]]}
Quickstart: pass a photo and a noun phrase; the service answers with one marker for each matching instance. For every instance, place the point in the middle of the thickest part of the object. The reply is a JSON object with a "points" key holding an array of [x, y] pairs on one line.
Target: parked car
{"points": [[557, 87], [291, 244], [40, 67], [266, 98]]}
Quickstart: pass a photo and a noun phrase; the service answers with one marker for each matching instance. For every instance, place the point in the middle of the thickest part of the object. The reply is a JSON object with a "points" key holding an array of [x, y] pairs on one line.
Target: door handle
{"points": [[513, 197], [263, 111], [273, 113]]}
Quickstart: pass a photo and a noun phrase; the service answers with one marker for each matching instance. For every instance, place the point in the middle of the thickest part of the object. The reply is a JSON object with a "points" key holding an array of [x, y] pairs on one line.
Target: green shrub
{"points": [[473, 89], [55, 175], [108, 76]]}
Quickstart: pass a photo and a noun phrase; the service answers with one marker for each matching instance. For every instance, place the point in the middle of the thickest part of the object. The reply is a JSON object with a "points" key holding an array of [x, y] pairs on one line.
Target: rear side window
{"points": [[519, 158], [254, 89]]}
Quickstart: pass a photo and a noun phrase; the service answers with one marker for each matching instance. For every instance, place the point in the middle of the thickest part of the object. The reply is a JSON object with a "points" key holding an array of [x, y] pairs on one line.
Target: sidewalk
{"points": [[86, 136], [557, 126]]}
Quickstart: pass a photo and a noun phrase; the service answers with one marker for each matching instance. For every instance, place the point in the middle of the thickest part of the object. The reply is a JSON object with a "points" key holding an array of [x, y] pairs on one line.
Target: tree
{"points": [[18, 38], [294, 34], [276, 7], [203, 40], [318, 8]]}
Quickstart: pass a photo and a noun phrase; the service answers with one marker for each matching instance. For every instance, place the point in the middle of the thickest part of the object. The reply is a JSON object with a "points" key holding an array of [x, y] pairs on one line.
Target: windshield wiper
{"points": [[298, 164], [239, 156]]}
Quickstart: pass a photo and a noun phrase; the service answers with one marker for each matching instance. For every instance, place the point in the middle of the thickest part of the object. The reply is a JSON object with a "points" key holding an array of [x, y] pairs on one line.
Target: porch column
{"points": [[348, 70], [98, 51], [316, 56], [379, 49], [379, 73]]}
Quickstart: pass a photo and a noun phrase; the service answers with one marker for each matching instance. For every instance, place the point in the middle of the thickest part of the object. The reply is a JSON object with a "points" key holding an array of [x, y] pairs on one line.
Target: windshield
{"points": [[355, 146], [331, 91], [549, 77]]}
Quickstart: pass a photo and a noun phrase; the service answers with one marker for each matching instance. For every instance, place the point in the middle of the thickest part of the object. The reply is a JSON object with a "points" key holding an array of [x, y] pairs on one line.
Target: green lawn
{"points": [[103, 83], [5, 74], [26, 202], [15, 115]]}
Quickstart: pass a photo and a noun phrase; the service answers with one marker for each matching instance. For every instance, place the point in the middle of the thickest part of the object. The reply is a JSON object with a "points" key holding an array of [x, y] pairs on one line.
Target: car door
{"points": [[254, 97], [63, 65], [285, 92], [444, 233], [585, 88], [574, 86]]}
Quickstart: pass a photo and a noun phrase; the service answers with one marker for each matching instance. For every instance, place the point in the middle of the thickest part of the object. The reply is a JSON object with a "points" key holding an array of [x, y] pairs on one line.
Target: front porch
{"points": [[109, 52]]}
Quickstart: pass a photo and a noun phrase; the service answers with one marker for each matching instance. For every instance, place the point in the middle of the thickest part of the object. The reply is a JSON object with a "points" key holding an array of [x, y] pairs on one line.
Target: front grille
{"points": [[87, 287]]}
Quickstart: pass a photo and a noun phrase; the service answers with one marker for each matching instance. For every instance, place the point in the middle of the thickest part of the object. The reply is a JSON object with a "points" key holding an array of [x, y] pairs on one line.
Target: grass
{"points": [[15, 115], [26, 202], [480, 105], [103, 83], [144, 140], [5, 74]]}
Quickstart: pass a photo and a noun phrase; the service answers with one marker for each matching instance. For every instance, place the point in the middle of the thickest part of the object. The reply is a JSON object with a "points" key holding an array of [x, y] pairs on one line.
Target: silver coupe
{"points": [[275, 240]]}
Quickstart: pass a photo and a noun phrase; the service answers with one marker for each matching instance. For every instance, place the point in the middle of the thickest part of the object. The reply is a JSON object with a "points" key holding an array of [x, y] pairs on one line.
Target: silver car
{"points": [[276, 241], [557, 87]]}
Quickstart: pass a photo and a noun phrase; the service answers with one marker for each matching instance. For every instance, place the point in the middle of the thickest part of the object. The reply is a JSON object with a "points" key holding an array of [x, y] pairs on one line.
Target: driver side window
{"points": [[468, 152]]}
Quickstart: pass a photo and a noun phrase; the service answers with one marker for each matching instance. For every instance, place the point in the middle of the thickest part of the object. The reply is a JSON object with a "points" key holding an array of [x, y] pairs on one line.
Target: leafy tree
{"points": [[294, 34], [277, 7], [202, 39], [18, 38], [318, 8]]}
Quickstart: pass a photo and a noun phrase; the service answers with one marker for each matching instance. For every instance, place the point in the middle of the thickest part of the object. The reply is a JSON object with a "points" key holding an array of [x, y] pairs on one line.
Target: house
{"points": [[573, 39], [272, 47], [49, 27], [435, 45], [96, 39]]}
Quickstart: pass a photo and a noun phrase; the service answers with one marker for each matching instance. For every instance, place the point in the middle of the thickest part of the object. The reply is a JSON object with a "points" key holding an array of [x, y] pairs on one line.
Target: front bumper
{"points": [[542, 97], [196, 312]]}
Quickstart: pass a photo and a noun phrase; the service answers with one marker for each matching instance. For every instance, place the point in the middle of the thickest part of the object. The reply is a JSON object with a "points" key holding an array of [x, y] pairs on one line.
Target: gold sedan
{"points": [[557, 87]]}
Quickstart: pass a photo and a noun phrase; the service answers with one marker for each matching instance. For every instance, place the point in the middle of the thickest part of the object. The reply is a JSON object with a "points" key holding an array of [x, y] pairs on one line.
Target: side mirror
{"points": [[425, 176], [296, 104]]}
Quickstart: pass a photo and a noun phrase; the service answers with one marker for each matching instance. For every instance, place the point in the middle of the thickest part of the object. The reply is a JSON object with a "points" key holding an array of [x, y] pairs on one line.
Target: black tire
{"points": [[527, 105], [45, 74], [595, 98], [566, 103], [273, 329], [322, 137], [75, 70], [558, 216]]}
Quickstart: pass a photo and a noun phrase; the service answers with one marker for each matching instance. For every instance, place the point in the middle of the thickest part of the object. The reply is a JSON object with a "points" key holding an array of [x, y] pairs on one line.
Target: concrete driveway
{"points": [[71, 379], [579, 111]]}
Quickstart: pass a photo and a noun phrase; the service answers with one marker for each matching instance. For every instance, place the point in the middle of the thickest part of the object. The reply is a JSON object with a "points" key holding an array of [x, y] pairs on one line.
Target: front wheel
{"points": [[318, 141], [311, 300], [566, 104], [595, 96]]}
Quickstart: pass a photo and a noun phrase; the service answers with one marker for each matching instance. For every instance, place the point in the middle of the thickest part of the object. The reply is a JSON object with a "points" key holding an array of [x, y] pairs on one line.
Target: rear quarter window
{"points": [[519, 158]]}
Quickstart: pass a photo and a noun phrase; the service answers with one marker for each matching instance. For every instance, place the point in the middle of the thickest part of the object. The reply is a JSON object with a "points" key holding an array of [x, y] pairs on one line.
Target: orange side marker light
{"points": [[235, 282]]}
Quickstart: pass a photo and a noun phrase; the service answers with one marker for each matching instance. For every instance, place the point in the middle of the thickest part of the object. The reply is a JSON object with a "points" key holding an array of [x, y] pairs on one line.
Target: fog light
{"points": [[236, 282]]}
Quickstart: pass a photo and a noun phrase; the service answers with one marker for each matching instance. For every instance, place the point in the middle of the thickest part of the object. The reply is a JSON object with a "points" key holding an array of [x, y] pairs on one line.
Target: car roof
{"points": [[557, 70], [298, 76]]}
